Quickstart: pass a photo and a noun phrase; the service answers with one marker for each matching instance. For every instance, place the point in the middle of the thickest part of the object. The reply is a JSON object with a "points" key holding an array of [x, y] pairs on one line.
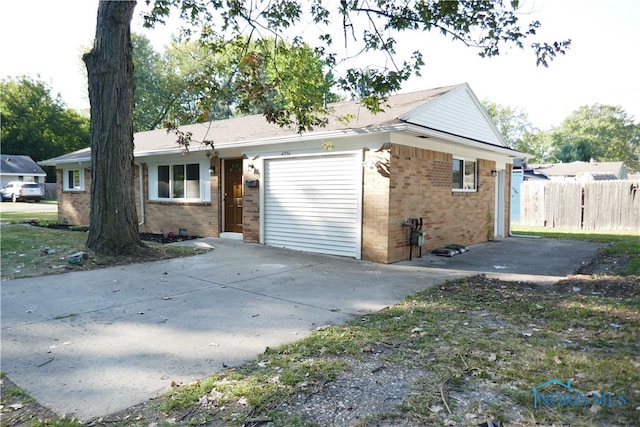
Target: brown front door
{"points": [[233, 195]]}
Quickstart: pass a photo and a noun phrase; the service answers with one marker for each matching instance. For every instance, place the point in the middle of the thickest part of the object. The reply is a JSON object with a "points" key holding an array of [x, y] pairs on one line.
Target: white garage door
{"points": [[313, 204]]}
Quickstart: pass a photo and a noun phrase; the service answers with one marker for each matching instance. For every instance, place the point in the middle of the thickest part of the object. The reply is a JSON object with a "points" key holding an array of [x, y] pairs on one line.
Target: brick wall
{"points": [[197, 218], [420, 187], [200, 219], [251, 205], [375, 206], [73, 206]]}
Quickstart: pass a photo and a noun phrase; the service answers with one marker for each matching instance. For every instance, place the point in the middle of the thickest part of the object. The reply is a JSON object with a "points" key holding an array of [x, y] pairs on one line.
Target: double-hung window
{"points": [[179, 181], [72, 180], [464, 175]]}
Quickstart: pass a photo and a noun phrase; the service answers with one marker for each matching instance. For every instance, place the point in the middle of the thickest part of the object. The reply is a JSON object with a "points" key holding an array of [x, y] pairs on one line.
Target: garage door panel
{"points": [[331, 248], [313, 245], [336, 233], [310, 230], [337, 228], [306, 190], [313, 204], [307, 175], [311, 211], [329, 200], [325, 218]]}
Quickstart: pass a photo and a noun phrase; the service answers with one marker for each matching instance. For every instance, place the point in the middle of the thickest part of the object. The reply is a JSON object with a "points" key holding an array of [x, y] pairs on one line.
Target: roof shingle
{"points": [[11, 164]]}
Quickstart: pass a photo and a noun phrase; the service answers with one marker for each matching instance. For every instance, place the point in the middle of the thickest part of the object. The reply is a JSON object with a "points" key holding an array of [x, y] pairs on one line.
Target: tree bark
{"points": [[113, 228]]}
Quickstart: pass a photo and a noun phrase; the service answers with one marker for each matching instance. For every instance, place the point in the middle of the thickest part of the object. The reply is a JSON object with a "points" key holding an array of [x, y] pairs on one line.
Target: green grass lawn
{"points": [[33, 251], [28, 216], [28, 251]]}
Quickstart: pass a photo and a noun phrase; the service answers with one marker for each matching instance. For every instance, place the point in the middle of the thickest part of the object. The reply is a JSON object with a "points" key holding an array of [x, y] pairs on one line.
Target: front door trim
{"points": [[232, 196]]}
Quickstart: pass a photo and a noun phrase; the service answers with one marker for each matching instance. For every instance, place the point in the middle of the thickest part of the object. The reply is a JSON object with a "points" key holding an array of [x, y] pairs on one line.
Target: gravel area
{"points": [[367, 388]]}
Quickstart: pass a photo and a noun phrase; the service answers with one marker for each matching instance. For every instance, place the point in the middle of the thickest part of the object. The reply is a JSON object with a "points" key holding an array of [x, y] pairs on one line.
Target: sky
{"points": [[45, 39]]}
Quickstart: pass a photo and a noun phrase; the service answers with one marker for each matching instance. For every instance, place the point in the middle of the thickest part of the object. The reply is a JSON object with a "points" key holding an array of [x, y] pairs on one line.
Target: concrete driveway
{"points": [[92, 343]]}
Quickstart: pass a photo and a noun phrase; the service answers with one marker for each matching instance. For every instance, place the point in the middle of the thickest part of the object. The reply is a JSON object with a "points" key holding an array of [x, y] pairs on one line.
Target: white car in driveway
{"points": [[20, 191]]}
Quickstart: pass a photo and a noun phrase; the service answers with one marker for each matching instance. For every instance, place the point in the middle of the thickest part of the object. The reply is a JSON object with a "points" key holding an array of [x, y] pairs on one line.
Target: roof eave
{"points": [[486, 146], [55, 162], [311, 136], [23, 173], [321, 135]]}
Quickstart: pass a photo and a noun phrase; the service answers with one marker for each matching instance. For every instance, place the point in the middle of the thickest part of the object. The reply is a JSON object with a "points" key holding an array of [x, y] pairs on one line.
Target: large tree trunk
{"points": [[113, 228]]}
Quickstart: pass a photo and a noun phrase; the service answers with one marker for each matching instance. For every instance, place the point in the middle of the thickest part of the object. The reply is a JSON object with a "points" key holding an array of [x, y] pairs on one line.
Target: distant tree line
{"points": [[190, 83], [38, 124], [604, 133], [174, 87]]}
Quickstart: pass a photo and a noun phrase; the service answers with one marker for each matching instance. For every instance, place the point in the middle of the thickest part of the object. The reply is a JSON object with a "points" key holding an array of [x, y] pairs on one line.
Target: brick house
{"points": [[432, 154]]}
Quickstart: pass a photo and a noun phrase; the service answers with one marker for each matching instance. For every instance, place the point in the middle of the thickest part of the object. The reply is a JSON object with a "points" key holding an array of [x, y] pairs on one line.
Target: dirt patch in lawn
{"points": [[599, 278], [31, 250]]}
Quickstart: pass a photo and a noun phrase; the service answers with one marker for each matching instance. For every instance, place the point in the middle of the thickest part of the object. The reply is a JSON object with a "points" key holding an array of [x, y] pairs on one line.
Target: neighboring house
{"points": [[582, 171], [433, 154], [19, 168]]}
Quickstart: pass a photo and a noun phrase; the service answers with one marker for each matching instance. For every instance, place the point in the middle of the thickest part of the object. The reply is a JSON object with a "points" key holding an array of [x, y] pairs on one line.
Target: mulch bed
{"points": [[164, 238]]}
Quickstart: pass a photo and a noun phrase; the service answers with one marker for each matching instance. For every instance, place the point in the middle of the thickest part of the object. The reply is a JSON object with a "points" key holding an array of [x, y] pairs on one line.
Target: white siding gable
{"points": [[457, 112]]}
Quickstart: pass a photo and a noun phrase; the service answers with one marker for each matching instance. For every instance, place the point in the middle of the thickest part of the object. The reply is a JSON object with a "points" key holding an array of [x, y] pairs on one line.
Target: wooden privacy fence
{"points": [[599, 205], [50, 191]]}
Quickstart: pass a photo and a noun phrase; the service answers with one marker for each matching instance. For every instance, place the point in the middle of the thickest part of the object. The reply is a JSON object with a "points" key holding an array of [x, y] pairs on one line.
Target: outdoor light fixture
{"points": [[494, 172], [212, 170]]}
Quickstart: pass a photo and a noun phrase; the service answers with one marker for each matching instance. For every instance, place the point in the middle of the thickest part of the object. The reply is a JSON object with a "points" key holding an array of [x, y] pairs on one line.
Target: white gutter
{"points": [[310, 136], [141, 193], [464, 141], [79, 160], [421, 130], [320, 135], [527, 236]]}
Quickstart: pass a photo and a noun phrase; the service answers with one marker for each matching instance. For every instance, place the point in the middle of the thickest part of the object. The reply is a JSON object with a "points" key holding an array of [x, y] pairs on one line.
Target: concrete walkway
{"points": [[92, 343]]}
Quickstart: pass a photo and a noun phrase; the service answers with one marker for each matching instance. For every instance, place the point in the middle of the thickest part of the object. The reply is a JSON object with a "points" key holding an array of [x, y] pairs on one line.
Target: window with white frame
{"points": [[73, 180], [178, 181], [464, 175]]}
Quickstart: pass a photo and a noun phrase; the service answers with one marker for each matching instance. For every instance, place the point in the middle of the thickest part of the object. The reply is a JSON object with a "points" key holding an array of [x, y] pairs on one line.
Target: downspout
{"points": [[528, 236], [141, 193]]}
